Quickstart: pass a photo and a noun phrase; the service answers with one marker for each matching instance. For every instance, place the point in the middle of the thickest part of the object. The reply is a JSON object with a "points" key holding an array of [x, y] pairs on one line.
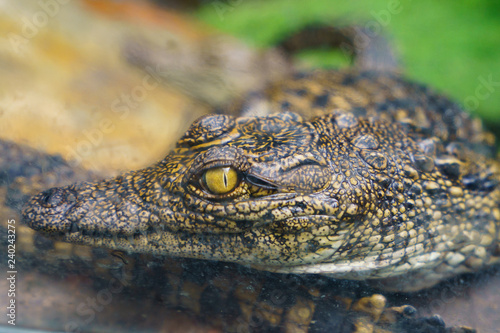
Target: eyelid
{"points": [[259, 182]]}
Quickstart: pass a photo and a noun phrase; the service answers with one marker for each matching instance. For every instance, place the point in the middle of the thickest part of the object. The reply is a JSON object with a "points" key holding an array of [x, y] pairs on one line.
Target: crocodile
{"points": [[345, 174]]}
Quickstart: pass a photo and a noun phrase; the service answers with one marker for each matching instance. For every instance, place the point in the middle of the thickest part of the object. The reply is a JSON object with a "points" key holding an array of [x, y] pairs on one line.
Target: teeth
{"points": [[114, 241], [74, 228]]}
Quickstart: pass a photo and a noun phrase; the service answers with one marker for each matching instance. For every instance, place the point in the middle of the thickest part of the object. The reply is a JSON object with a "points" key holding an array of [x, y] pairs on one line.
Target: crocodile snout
{"points": [[46, 211]]}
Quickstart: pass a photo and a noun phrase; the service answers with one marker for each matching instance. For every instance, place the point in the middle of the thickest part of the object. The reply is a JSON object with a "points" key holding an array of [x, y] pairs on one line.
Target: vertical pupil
{"points": [[219, 180], [224, 176]]}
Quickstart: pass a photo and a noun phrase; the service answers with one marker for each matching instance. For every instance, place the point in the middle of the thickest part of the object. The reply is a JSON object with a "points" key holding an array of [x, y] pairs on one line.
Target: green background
{"points": [[451, 45]]}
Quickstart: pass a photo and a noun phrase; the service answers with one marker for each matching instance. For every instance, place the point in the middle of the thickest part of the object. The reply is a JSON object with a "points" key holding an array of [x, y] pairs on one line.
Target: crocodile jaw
{"points": [[102, 214]]}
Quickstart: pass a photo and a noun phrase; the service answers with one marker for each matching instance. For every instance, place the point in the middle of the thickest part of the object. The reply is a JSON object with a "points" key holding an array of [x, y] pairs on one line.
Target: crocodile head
{"points": [[336, 194]]}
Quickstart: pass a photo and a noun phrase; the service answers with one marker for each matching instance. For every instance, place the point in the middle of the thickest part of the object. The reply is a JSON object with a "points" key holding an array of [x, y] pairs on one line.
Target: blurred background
{"points": [[450, 45], [111, 85]]}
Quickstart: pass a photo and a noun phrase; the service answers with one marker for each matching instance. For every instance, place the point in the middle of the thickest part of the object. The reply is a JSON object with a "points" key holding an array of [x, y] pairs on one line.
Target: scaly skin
{"points": [[227, 296], [361, 176]]}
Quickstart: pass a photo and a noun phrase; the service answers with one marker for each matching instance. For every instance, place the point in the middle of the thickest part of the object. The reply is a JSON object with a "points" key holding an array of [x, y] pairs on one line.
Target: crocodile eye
{"points": [[220, 180]]}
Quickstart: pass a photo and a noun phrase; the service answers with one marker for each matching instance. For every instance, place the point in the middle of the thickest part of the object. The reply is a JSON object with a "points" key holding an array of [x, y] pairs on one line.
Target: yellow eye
{"points": [[220, 180]]}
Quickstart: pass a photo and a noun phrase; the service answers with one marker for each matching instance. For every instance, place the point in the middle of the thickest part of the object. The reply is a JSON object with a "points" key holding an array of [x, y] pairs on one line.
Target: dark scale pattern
{"points": [[366, 177]]}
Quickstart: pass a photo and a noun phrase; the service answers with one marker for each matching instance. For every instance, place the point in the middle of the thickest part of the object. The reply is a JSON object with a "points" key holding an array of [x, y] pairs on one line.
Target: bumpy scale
{"points": [[355, 175]]}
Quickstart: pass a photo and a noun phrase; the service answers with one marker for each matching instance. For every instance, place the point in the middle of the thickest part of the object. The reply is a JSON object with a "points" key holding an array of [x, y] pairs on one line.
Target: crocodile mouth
{"points": [[242, 247], [83, 209], [63, 214], [56, 224]]}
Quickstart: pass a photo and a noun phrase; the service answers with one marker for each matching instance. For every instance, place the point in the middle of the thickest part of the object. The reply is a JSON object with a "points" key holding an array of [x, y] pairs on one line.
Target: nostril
{"points": [[51, 197], [55, 197]]}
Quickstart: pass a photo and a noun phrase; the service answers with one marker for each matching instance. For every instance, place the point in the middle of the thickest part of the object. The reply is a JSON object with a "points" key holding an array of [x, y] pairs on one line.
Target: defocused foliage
{"points": [[452, 45]]}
